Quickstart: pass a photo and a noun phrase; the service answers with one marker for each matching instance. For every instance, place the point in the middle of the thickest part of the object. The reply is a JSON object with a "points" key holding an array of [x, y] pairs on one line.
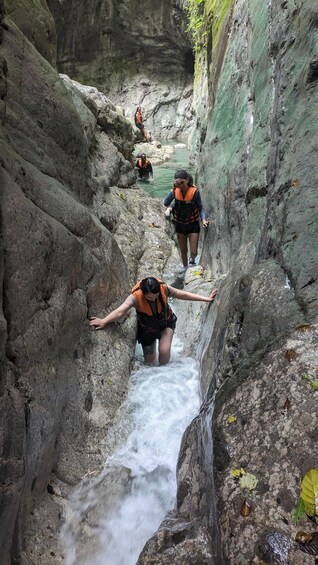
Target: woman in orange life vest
{"points": [[187, 211], [155, 318], [139, 124]]}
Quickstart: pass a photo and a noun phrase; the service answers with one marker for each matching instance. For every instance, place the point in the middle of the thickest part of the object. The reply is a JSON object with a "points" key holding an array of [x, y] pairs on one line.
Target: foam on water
{"points": [[120, 510]]}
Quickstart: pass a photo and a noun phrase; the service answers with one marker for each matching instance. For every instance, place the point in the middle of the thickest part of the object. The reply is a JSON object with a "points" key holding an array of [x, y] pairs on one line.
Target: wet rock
{"points": [[275, 548], [313, 70]]}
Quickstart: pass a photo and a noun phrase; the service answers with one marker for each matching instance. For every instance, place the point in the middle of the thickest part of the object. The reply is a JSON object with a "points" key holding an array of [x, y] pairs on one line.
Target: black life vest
{"points": [[185, 210]]}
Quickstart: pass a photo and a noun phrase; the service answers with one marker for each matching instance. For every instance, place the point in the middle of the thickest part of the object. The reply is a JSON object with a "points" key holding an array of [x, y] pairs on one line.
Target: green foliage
{"points": [[206, 18], [217, 10], [308, 500], [309, 492], [196, 27], [312, 382], [300, 509]]}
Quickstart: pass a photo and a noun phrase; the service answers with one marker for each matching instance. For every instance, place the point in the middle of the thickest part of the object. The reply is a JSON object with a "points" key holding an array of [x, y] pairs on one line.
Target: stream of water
{"points": [[110, 518]]}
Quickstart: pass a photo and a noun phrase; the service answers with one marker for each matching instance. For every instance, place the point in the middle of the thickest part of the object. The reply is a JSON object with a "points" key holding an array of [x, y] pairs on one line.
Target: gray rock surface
{"points": [[138, 54], [62, 146]]}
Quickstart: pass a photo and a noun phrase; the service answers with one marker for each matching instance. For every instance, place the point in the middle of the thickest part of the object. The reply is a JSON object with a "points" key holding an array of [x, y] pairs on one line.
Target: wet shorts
{"points": [[140, 126], [185, 229], [148, 338]]}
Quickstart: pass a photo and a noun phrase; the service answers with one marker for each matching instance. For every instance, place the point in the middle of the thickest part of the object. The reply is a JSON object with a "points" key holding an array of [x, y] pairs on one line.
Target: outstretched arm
{"points": [[183, 295], [100, 323], [205, 221]]}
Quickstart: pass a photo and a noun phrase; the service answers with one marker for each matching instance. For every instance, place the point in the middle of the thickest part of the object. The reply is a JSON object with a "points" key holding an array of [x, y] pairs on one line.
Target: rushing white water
{"points": [[110, 518]]}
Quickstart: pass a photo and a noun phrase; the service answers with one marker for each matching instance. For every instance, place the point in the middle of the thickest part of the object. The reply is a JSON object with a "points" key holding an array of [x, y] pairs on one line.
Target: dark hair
{"points": [[181, 175], [143, 156], [150, 285], [190, 180]]}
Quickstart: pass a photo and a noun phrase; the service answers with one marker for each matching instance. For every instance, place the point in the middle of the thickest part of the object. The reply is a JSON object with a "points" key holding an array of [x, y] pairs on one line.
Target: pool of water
{"points": [[163, 174]]}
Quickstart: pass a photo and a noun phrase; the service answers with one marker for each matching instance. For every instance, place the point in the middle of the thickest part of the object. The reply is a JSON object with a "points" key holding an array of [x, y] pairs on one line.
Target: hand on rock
{"points": [[97, 323], [213, 295]]}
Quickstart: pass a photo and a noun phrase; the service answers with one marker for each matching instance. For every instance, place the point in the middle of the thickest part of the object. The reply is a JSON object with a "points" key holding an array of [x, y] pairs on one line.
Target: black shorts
{"points": [[186, 229], [140, 126], [145, 337]]}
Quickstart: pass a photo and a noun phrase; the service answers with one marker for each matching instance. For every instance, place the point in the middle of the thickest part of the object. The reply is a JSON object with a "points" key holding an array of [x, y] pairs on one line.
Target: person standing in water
{"points": [[144, 167], [155, 318], [187, 212], [139, 124]]}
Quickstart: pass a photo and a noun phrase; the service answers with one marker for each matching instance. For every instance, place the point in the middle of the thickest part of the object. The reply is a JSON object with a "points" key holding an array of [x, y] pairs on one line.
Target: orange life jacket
{"points": [[185, 210], [143, 305]]}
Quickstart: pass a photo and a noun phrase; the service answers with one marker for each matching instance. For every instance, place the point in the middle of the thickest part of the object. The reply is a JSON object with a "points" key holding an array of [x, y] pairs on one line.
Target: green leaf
{"points": [[314, 385], [237, 472], [300, 509], [309, 492], [307, 377], [231, 419]]}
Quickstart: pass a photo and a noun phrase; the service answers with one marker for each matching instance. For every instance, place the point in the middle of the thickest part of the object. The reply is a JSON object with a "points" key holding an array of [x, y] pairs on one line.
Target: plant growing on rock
{"points": [[308, 500]]}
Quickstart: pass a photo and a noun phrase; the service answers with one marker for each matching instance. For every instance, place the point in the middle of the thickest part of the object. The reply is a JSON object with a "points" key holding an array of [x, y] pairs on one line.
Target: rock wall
{"points": [[136, 53], [257, 171], [60, 384]]}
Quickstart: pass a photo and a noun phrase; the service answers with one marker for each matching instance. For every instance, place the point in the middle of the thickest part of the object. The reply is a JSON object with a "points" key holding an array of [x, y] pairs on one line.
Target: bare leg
{"points": [[183, 244], [149, 353], [194, 239], [165, 346]]}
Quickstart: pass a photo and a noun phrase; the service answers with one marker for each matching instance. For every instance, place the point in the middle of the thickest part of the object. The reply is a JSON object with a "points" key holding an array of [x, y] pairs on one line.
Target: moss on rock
{"points": [[35, 21]]}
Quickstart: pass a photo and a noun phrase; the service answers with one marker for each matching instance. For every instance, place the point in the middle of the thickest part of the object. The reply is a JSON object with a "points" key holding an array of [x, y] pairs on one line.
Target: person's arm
{"points": [[183, 295], [204, 220], [168, 199], [100, 323], [150, 169]]}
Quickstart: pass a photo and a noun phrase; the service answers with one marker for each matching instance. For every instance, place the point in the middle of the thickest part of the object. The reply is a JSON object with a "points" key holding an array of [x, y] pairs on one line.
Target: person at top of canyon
{"points": [[187, 211], [139, 124], [155, 318], [144, 167]]}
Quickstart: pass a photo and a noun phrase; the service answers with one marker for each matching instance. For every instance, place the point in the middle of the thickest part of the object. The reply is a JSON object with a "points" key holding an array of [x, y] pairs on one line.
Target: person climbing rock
{"points": [[155, 318], [139, 124], [144, 167], [187, 212]]}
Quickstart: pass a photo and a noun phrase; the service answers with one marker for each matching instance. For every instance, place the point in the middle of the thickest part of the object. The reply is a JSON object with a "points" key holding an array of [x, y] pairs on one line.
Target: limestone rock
{"points": [[137, 54]]}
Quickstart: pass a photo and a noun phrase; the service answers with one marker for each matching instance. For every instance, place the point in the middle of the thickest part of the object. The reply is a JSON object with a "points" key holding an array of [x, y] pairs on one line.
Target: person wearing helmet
{"points": [[187, 212], [155, 318], [144, 167]]}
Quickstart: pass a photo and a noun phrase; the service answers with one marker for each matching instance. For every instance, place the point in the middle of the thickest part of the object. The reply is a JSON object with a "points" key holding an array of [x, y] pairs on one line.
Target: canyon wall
{"points": [[138, 54], [257, 170], [61, 148]]}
